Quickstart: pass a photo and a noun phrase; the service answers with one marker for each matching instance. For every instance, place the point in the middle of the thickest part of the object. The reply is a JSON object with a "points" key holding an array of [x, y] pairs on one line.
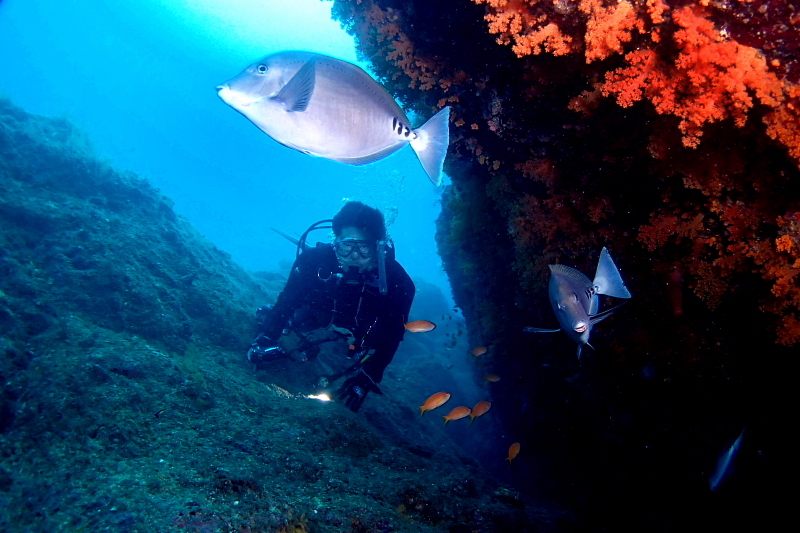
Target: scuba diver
{"points": [[343, 309]]}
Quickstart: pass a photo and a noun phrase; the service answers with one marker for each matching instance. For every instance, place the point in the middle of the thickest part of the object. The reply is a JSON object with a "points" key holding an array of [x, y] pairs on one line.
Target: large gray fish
{"points": [[330, 108], [575, 298]]}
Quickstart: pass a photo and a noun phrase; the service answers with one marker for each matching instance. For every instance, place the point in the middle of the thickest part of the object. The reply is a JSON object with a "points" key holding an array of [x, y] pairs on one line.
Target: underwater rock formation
{"points": [[91, 243], [667, 131], [127, 403]]}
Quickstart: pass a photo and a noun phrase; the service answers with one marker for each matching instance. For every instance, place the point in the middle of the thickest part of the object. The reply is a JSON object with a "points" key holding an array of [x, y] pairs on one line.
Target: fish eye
{"points": [[261, 69]]}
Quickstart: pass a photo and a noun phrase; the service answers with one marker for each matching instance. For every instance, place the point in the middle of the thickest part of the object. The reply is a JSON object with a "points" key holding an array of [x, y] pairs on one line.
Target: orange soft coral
{"points": [[689, 173], [783, 124], [678, 59], [384, 24], [781, 264], [608, 27], [528, 27], [711, 78], [723, 237]]}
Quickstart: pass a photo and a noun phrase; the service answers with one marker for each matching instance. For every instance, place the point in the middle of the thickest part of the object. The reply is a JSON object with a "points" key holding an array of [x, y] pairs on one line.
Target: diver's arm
{"points": [[301, 279]]}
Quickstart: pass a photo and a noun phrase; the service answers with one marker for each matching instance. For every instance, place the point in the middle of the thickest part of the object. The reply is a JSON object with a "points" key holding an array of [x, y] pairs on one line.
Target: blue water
{"points": [[139, 77]]}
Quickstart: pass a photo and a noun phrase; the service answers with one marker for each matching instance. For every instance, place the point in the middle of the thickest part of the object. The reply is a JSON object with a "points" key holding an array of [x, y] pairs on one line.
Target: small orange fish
{"points": [[420, 326], [457, 414], [513, 451], [493, 378], [433, 402], [480, 350], [479, 409]]}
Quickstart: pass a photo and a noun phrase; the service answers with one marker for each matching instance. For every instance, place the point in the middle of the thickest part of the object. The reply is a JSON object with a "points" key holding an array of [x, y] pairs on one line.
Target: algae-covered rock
{"points": [[127, 403], [79, 237]]}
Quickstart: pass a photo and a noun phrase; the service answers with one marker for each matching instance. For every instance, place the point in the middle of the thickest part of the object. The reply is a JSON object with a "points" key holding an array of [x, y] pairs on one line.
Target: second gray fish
{"points": [[575, 298]]}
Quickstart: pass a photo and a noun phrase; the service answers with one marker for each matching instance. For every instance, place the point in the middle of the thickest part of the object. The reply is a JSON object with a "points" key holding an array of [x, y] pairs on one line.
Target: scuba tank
{"points": [[381, 248]]}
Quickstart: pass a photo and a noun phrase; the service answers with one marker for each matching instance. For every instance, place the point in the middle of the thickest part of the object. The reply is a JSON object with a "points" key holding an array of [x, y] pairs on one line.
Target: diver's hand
{"points": [[263, 351], [354, 390]]}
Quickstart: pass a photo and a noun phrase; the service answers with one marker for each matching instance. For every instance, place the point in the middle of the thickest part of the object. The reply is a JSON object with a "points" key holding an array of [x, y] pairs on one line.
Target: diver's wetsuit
{"points": [[320, 293]]}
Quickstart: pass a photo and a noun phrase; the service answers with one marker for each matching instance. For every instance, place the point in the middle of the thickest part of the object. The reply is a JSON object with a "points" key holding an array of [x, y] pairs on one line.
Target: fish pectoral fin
{"points": [[580, 349], [531, 329], [296, 94], [605, 314]]}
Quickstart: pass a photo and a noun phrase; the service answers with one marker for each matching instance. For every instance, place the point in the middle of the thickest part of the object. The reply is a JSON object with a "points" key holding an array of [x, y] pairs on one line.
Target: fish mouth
{"points": [[234, 98], [225, 92], [580, 328]]}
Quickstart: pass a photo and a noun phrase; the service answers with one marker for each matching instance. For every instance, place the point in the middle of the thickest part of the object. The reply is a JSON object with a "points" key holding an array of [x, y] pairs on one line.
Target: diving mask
{"points": [[346, 247]]}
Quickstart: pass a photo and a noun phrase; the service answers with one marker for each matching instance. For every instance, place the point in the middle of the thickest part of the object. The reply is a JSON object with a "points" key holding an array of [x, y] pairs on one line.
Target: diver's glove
{"points": [[264, 350], [354, 390]]}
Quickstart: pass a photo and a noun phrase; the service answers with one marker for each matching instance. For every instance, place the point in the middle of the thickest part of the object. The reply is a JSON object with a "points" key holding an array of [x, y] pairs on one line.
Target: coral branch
{"points": [[607, 28], [528, 27], [677, 59]]}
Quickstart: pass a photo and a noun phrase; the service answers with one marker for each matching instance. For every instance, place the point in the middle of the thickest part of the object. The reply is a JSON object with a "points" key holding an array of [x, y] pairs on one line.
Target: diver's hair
{"points": [[361, 216]]}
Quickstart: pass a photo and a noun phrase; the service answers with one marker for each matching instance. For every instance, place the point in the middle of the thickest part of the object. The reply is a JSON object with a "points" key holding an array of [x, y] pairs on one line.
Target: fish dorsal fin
{"points": [[296, 94], [605, 314], [574, 275], [607, 279]]}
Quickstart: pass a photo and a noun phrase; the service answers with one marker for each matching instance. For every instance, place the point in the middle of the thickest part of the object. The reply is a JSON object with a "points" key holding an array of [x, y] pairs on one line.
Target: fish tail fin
{"points": [[431, 142], [607, 279]]}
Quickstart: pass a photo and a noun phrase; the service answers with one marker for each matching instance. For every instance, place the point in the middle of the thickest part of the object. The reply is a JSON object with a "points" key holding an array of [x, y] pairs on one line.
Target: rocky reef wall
{"points": [[81, 240], [668, 132]]}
